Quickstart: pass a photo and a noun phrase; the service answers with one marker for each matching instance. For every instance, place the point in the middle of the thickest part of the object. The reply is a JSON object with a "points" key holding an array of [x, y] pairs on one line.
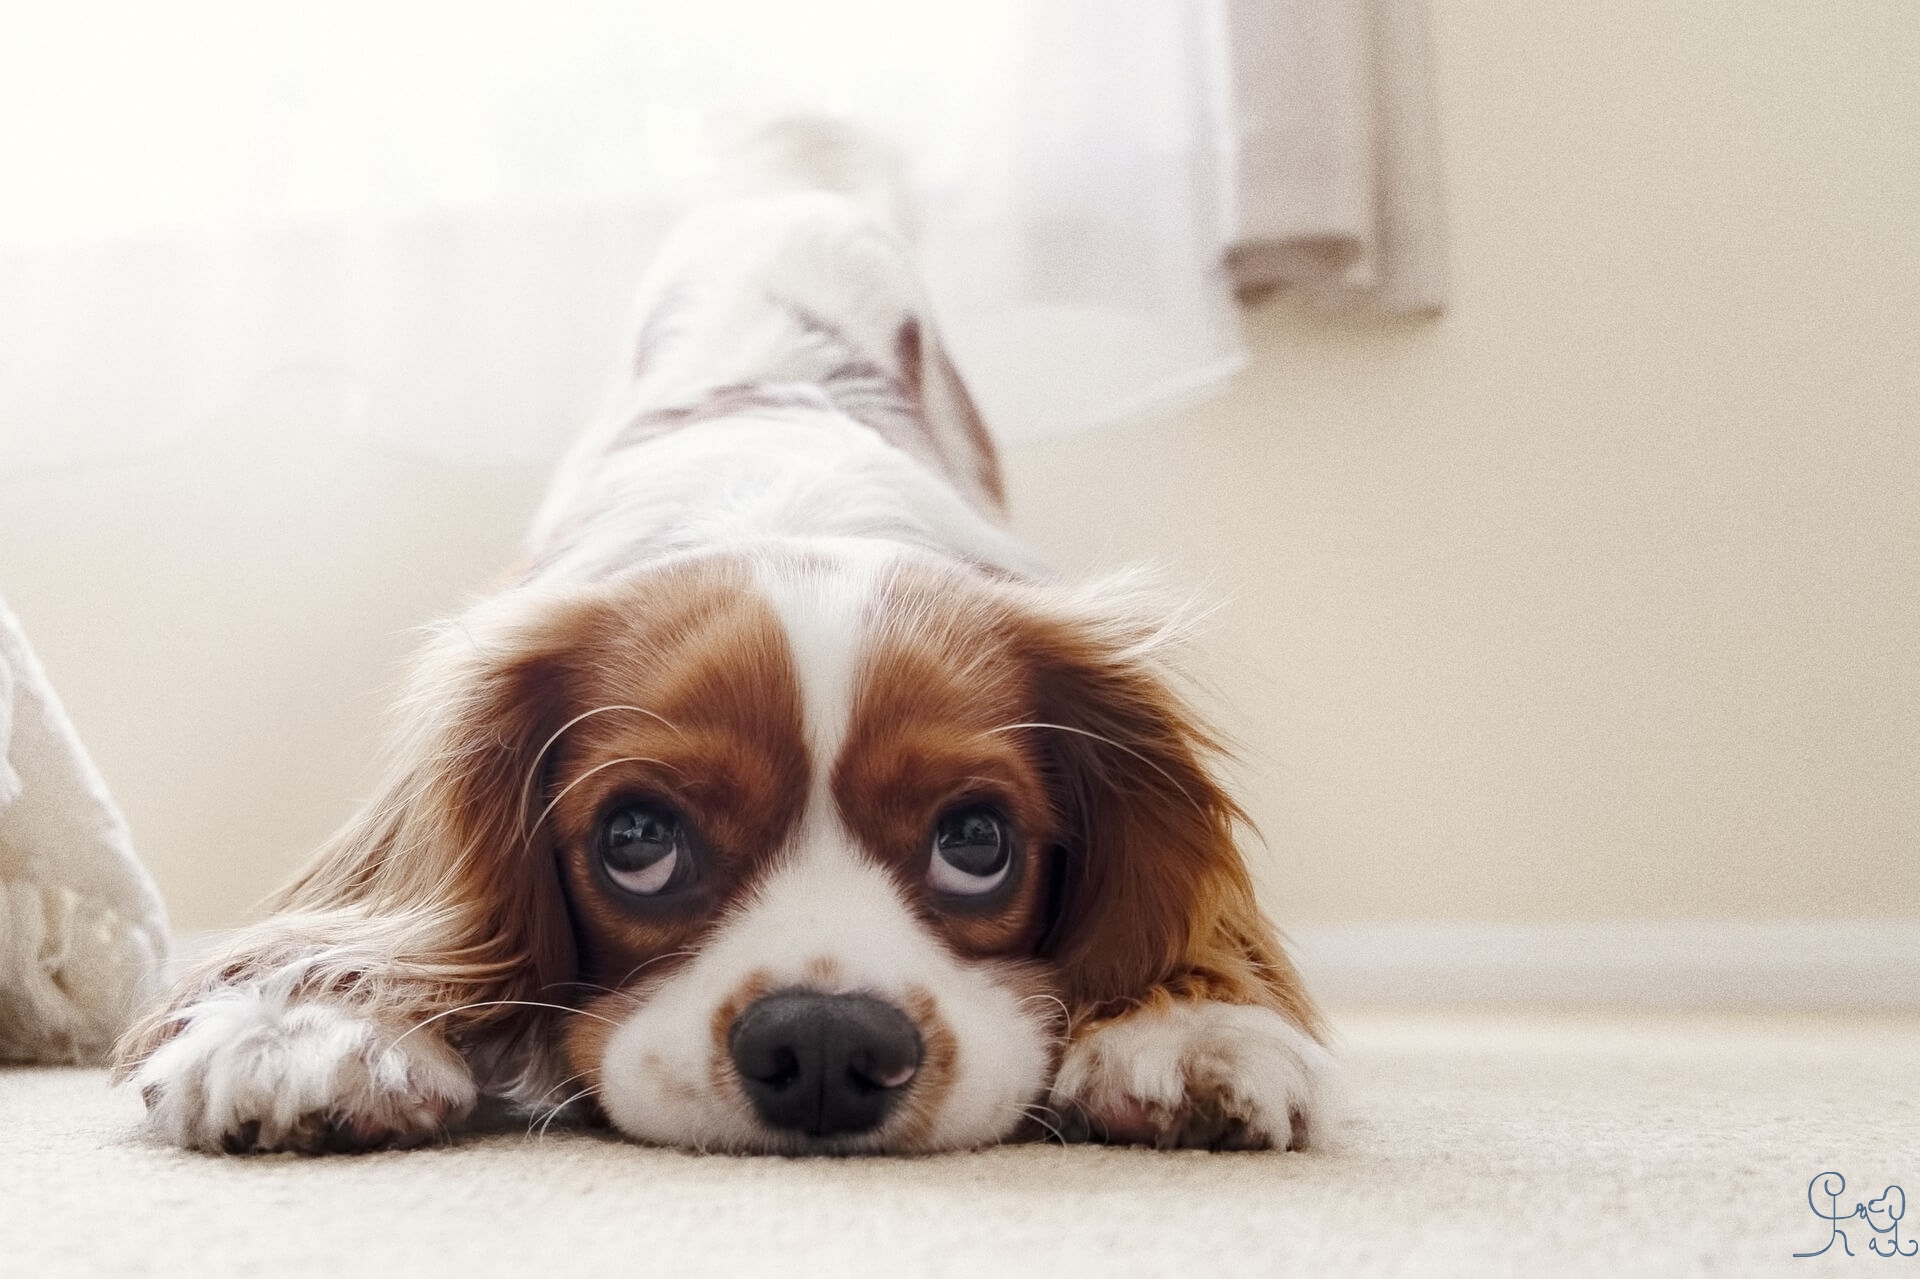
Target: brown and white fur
{"points": [[770, 595]]}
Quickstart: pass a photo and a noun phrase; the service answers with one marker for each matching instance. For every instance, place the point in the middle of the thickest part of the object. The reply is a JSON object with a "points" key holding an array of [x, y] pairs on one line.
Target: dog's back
{"points": [[785, 379]]}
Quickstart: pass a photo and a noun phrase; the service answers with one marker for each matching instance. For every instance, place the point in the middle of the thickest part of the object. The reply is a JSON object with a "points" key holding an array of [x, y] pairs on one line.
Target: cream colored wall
{"points": [[1598, 598]]}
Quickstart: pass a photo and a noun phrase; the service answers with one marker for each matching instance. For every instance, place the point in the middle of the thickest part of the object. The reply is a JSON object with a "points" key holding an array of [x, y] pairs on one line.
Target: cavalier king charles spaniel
{"points": [[783, 802]]}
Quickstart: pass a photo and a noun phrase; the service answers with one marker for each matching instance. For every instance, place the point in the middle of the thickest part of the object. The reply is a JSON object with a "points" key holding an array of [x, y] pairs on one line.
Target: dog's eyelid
{"points": [[981, 792]]}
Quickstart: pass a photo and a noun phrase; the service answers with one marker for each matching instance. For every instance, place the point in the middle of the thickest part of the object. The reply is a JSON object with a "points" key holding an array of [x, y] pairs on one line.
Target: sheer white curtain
{"points": [[1333, 180], [440, 210]]}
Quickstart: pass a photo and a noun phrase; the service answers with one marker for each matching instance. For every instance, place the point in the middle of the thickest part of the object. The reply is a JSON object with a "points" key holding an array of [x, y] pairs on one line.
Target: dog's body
{"points": [[786, 803]]}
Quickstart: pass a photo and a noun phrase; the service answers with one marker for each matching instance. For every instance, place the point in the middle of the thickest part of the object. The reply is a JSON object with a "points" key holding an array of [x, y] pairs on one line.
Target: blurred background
{"points": [[1569, 609]]}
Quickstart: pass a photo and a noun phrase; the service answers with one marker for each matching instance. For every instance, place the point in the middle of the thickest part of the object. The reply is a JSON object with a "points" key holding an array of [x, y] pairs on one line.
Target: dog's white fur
{"points": [[251, 1064], [1261, 1071]]}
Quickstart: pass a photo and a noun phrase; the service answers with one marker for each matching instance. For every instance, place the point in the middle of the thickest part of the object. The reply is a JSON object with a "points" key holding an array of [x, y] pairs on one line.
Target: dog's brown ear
{"points": [[438, 900], [452, 836], [1152, 895]]}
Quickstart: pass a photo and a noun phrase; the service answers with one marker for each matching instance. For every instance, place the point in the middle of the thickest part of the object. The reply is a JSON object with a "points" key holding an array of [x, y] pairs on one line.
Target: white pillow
{"points": [[83, 936]]}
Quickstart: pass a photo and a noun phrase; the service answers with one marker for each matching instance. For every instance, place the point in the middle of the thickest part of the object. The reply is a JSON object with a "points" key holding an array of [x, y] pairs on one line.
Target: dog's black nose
{"points": [[824, 1064]]}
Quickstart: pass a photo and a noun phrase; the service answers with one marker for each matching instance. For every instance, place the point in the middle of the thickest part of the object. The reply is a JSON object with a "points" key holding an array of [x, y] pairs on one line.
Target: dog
{"points": [[783, 802]]}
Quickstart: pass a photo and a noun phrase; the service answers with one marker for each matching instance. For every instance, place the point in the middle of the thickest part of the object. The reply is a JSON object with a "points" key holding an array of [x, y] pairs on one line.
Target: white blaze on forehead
{"points": [[825, 610]]}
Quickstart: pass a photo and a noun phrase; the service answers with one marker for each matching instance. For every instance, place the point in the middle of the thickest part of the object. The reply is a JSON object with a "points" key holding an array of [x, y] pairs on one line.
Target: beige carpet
{"points": [[1479, 1146]]}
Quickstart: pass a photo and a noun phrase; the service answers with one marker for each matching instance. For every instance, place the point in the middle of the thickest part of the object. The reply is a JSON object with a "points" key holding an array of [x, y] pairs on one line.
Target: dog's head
{"points": [[827, 854]]}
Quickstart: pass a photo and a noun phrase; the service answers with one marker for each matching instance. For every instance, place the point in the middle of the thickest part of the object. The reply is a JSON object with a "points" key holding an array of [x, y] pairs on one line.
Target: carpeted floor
{"points": [[1478, 1145]]}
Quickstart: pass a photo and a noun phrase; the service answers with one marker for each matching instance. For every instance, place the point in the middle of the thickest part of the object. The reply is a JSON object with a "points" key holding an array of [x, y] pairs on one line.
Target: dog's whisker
{"points": [[555, 1112], [1027, 1110], [645, 964], [596, 987], [597, 768], [424, 1022], [533, 769], [1066, 1014], [554, 1088], [1101, 737]]}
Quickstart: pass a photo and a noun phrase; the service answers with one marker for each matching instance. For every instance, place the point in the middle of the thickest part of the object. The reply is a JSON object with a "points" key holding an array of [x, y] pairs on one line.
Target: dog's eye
{"points": [[972, 852], [644, 848]]}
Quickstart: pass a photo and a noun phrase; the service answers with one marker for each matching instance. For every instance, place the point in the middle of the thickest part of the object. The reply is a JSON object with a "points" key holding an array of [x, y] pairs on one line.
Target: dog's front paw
{"points": [[1195, 1073], [249, 1072]]}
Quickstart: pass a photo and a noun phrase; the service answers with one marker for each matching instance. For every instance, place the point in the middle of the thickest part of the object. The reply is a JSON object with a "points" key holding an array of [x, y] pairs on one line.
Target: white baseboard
{"points": [[1813, 965]]}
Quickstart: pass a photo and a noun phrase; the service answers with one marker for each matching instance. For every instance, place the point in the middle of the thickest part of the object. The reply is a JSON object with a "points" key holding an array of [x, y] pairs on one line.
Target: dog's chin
{"points": [[735, 1133], [776, 1142]]}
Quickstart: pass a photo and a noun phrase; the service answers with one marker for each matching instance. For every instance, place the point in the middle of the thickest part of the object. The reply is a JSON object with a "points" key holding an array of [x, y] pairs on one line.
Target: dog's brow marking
{"points": [[526, 787], [1099, 737]]}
